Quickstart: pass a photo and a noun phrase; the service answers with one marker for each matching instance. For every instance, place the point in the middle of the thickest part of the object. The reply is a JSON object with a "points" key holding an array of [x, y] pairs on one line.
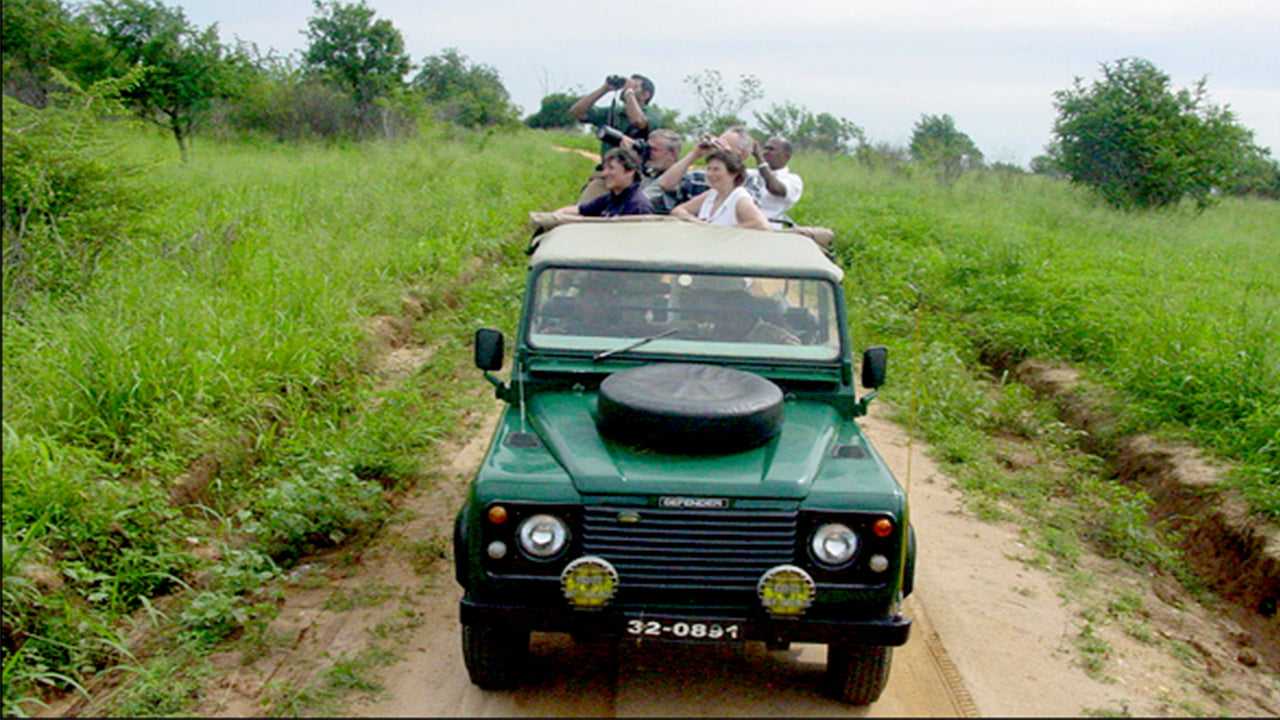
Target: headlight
{"points": [[834, 545], [543, 536]]}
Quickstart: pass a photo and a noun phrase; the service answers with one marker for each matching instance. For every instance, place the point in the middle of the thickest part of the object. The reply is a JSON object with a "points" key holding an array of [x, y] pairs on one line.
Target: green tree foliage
{"points": [[289, 105], [40, 35], [1257, 175], [936, 142], [823, 132], [66, 196], [469, 94], [718, 107], [186, 68], [554, 112], [364, 56], [1045, 165], [1140, 144]]}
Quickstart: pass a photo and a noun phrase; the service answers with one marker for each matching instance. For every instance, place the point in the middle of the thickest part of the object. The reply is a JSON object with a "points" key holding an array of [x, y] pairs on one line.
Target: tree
{"points": [[471, 95], [719, 108], [1046, 165], [1140, 144], [185, 68], [40, 36], [1258, 174], [936, 142], [365, 57], [554, 112], [823, 132]]}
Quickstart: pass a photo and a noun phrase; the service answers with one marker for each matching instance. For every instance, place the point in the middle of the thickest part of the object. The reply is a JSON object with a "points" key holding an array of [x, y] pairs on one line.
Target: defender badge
{"points": [[693, 503]]}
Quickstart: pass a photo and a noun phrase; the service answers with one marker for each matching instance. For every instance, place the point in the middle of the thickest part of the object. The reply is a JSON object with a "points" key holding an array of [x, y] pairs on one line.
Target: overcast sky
{"points": [[992, 65]]}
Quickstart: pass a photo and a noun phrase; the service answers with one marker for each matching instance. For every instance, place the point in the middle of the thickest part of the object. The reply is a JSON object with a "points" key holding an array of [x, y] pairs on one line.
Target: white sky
{"points": [[993, 65]]}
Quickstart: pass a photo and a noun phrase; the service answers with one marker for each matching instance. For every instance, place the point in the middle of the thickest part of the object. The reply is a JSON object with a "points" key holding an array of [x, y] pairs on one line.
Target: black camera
{"points": [[613, 136], [616, 81]]}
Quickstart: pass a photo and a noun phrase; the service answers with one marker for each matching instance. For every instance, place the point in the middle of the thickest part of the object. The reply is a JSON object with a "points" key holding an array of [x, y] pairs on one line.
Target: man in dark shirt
{"points": [[623, 196], [628, 115]]}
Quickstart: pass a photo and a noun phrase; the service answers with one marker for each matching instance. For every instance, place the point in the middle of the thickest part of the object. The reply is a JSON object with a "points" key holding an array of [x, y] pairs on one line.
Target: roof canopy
{"points": [[674, 244]]}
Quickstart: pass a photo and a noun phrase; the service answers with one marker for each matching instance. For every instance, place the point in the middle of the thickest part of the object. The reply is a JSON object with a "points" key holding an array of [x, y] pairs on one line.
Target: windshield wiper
{"points": [[634, 345]]}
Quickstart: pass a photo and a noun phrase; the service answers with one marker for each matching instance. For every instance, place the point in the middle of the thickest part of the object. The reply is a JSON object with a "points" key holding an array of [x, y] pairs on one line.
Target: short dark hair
{"points": [[645, 84], [629, 159], [732, 163]]}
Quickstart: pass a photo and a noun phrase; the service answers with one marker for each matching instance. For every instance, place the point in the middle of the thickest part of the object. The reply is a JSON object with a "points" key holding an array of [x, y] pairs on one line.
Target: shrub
{"points": [[67, 195]]}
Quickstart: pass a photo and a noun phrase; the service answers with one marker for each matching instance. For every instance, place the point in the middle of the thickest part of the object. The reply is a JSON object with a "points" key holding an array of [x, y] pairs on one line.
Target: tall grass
{"points": [[1176, 310], [232, 327]]}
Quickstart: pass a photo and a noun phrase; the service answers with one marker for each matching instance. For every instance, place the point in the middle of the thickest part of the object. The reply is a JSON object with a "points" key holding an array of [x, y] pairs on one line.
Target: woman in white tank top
{"points": [[727, 202]]}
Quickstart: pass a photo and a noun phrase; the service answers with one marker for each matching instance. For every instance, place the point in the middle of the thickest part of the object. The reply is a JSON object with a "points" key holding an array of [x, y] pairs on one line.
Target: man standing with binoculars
{"points": [[627, 114]]}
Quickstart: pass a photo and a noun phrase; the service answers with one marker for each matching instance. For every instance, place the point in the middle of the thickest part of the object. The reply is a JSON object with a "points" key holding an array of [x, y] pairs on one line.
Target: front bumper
{"points": [[888, 630]]}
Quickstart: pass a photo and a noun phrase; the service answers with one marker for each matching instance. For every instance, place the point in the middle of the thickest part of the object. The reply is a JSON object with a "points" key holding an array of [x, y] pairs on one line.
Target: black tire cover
{"points": [[690, 409]]}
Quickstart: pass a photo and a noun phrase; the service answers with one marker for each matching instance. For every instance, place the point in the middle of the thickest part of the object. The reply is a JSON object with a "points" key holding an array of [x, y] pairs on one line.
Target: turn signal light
{"points": [[883, 527], [497, 514]]}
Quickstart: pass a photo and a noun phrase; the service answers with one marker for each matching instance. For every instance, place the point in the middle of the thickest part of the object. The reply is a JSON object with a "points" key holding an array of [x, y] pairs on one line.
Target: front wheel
{"points": [[494, 655], [857, 674]]}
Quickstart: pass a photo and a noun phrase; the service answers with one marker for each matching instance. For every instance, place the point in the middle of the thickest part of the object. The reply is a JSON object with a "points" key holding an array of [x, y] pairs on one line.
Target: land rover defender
{"points": [[679, 459]]}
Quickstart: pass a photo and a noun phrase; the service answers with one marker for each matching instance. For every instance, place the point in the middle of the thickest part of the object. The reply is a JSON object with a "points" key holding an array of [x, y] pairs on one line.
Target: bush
{"points": [[67, 195]]}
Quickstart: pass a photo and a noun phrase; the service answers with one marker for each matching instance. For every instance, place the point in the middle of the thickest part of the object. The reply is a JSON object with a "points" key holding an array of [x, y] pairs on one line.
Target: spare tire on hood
{"points": [[690, 409]]}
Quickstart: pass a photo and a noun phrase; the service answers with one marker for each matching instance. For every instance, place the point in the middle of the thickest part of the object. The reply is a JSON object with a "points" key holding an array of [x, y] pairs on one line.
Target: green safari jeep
{"points": [[679, 458]]}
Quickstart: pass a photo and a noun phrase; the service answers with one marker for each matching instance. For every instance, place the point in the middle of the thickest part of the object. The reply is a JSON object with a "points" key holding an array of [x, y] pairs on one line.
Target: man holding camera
{"points": [[628, 114]]}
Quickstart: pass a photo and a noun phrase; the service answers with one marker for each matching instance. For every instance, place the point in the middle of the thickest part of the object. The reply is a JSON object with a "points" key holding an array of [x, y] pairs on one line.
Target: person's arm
{"points": [[771, 181], [568, 210], [670, 179], [749, 215], [631, 103], [579, 109], [688, 210]]}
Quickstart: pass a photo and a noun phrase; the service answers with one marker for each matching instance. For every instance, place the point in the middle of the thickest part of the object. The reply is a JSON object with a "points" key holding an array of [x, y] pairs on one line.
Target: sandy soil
{"points": [[992, 635]]}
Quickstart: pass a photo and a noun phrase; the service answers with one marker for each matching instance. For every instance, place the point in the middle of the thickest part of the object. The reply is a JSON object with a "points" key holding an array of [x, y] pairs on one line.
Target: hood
{"points": [[785, 467]]}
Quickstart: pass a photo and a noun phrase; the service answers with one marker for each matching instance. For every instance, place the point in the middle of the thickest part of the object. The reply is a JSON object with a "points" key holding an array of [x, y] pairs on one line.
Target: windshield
{"points": [[694, 314]]}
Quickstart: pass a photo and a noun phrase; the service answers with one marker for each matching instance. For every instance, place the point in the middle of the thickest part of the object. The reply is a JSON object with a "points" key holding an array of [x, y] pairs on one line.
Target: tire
{"points": [[690, 409], [857, 674], [494, 655]]}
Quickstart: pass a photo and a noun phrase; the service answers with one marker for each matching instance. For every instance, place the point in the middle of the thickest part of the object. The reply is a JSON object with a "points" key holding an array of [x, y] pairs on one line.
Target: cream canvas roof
{"points": [[661, 242]]}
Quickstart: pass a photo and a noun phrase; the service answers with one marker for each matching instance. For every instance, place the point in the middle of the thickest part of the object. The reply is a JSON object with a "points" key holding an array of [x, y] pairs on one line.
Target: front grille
{"points": [[715, 550]]}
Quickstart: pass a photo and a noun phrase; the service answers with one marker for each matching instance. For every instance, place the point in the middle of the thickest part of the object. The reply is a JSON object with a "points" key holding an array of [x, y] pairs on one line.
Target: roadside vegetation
{"points": [[1177, 311], [189, 404], [201, 416]]}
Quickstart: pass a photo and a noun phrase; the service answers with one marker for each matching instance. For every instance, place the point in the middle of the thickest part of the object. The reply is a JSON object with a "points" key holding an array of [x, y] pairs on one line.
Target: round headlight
{"points": [[543, 536], [834, 545]]}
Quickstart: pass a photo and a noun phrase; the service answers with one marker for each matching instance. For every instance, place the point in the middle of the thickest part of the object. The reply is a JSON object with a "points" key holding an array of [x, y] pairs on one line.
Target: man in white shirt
{"points": [[772, 185]]}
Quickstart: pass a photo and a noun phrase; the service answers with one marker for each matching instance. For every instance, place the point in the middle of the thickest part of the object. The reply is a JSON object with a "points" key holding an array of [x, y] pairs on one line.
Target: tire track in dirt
{"points": [[565, 679]]}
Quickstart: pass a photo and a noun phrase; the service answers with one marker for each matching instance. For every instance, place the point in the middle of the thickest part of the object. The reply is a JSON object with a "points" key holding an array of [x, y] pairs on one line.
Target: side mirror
{"points": [[874, 361], [489, 349]]}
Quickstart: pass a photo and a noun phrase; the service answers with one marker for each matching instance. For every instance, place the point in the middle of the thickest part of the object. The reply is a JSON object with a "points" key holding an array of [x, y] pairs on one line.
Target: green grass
{"points": [[1177, 311], [231, 323]]}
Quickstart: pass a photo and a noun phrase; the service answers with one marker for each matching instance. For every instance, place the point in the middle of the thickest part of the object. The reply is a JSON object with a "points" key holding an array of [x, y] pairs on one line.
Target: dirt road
{"points": [[987, 639], [992, 635]]}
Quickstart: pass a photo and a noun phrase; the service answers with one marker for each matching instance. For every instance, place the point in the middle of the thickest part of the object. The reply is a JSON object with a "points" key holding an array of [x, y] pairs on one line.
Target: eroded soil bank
{"points": [[1236, 555]]}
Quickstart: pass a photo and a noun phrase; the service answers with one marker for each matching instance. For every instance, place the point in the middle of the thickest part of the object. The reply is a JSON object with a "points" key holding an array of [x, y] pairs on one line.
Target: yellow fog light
{"points": [[589, 582], [786, 591]]}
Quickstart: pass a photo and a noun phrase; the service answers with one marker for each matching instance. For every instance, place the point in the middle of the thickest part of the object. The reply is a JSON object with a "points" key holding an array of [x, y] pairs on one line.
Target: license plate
{"points": [[673, 629]]}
